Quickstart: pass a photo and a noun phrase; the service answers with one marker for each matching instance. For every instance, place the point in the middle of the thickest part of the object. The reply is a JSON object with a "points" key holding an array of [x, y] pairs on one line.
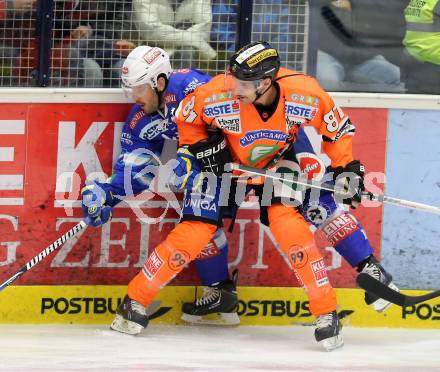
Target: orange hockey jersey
{"points": [[254, 141]]}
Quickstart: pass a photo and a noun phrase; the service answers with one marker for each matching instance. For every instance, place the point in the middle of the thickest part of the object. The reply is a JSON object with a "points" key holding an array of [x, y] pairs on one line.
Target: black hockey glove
{"points": [[349, 183], [212, 153]]}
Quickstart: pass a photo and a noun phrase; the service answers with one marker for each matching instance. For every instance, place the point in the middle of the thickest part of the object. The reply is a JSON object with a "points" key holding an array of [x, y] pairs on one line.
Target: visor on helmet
{"points": [[241, 87], [131, 92]]}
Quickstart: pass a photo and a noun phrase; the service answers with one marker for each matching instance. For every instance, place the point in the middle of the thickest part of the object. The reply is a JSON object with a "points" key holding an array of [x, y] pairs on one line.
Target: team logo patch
{"points": [[300, 110], [260, 151], [124, 70], [152, 266], [316, 214], [178, 260], [219, 97], [306, 99], [312, 167], [255, 135], [222, 108], [92, 209], [340, 228], [127, 138], [154, 129], [136, 118], [194, 83], [298, 256], [319, 272], [152, 55], [229, 123]]}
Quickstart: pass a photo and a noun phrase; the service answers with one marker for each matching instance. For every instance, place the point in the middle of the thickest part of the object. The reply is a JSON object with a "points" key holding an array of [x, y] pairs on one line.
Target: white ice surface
{"points": [[180, 348]]}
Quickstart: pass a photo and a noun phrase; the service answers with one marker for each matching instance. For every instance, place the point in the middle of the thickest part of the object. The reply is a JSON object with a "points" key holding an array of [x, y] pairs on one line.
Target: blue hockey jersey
{"points": [[143, 136]]}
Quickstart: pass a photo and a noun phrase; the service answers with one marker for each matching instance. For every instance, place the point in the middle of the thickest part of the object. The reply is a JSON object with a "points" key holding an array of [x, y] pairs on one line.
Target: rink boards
{"points": [[46, 149], [257, 306]]}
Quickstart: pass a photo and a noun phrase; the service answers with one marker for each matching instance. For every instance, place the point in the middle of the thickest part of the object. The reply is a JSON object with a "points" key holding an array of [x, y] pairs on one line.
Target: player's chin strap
{"points": [[258, 94]]}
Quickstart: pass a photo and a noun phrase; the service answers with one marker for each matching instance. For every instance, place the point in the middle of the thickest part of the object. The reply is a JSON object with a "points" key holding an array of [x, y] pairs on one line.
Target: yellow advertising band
{"points": [[257, 306]]}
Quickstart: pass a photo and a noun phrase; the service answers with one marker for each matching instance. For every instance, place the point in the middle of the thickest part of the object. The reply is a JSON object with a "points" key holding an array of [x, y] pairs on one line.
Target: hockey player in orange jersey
{"points": [[250, 115]]}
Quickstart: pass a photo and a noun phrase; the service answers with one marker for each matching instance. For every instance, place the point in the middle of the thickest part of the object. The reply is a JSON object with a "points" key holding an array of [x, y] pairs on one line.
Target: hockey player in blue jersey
{"points": [[148, 79], [325, 214]]}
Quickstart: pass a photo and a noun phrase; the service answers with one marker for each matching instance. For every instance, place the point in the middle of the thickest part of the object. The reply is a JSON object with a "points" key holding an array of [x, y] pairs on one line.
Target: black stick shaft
{"points": [[323, 186]]}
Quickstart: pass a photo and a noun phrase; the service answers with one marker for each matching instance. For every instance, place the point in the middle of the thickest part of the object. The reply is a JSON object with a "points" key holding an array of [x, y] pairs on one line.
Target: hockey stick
{"points": [[374, 286], [284, 177], [364, 280], [44, 253]]}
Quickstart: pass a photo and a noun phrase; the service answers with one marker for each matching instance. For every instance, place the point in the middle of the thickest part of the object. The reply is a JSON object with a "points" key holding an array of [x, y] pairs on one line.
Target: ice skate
{"points": [[372, 267], [131, 317], [327, 331], [217, 306]]}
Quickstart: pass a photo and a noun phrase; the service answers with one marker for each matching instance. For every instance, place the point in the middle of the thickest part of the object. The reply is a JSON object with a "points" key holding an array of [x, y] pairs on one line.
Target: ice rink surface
{"points": [[180, 348]]}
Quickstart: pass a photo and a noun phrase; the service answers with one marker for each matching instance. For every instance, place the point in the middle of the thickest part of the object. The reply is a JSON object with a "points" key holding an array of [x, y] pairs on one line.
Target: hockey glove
{"points": [[186, 172], [349, 183], [212, 153], [97, 203]]}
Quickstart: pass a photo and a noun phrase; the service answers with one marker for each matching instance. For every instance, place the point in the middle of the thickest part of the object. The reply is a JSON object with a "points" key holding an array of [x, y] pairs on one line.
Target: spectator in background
{"points": [[8, 8], [224, 26], [84, 52], [283, 24], [272, 20], [353, 36], [182, 28], [96, 35], [16, 24], [422, 42]]}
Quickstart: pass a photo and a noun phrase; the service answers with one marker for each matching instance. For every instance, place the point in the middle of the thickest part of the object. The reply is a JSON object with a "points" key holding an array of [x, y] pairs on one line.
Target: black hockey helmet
{"points": [[255, 61]]}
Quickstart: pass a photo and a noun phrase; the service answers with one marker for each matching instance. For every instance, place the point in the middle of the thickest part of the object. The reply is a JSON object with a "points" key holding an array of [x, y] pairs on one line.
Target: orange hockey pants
{"points": [[189, 238], [295, 239]]}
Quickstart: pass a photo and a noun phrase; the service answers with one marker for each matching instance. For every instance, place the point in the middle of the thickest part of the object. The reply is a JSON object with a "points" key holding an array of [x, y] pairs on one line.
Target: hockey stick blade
{"points": [[44, 253], [381, 290]]}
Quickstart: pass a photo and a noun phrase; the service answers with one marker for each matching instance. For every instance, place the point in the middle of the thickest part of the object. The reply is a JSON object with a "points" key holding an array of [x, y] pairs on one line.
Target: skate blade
{"points": [[332, 343], [217, 319], [382, 305], [122, 325]]}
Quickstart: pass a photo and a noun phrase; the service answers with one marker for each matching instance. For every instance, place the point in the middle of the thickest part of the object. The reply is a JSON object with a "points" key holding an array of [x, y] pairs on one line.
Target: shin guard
{"points": [[181, 246], [212, 262], [296, 241]]}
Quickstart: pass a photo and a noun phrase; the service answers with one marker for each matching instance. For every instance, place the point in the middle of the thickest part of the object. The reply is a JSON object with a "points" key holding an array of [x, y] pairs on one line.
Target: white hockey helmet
{"points": [[143, 65]]}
